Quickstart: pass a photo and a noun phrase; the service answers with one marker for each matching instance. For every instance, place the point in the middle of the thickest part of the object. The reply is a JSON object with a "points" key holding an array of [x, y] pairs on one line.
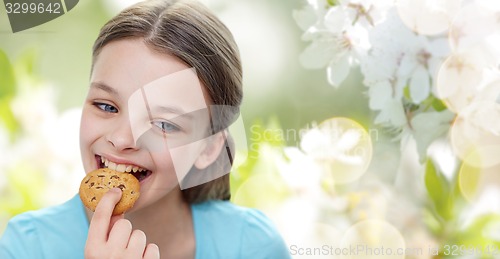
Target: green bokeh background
{"points": [[287, 97], [295, 95], [59, 53]]}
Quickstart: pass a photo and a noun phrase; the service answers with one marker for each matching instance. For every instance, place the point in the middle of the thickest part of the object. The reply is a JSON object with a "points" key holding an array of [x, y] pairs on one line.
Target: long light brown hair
{"points": [[192, 33]]}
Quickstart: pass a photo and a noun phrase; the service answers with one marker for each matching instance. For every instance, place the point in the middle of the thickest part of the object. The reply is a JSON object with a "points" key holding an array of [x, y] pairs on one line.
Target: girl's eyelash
{"points": [[166, 127], [105, 107]]}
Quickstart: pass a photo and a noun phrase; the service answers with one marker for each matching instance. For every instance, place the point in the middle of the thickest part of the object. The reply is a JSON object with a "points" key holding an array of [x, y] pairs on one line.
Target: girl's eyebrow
{"points": [[104, 87], [171, 109]]}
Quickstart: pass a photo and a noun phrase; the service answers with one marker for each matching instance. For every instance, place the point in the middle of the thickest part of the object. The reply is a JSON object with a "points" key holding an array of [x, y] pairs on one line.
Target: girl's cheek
{"points": [[86, 135], [84, 124], [88, 126]]}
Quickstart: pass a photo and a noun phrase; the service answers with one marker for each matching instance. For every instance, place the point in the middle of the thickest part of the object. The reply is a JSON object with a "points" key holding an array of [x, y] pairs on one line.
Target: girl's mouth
{"points": [[139, 172]]}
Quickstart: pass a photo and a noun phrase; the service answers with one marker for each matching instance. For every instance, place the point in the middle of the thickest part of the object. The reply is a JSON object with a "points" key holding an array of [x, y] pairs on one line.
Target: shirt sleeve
{"points": [[261, 239], [20, 239]]}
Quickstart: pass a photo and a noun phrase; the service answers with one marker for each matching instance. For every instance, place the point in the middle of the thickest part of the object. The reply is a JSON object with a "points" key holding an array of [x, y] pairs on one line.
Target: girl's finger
{"points": [[152, 252], [136, 244], [101, 220], [113, 220], [120, 234]]}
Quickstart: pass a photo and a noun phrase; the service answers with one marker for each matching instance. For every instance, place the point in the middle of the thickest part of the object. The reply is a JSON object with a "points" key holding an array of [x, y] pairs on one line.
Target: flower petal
{"points": [[338, 70], [349, 140], [335, 19], [305, 17], [316, 55], [392, 113], [379, 94], [429, 126], [419, 85]]}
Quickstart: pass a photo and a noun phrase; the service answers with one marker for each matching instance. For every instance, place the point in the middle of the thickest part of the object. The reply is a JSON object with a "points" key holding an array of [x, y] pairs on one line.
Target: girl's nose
{"points": [[121, 138]]}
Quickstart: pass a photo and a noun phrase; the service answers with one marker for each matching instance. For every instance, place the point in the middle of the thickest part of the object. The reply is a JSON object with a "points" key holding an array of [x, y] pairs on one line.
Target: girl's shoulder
{"points": [[236, 231], [57, 229]]}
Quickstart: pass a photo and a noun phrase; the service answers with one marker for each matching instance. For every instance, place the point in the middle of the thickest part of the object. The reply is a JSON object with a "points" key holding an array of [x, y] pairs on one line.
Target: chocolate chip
{"points": [[99, 187], [91, 184], [100, 175], [121, 186], [93, 199], [115, 177]]}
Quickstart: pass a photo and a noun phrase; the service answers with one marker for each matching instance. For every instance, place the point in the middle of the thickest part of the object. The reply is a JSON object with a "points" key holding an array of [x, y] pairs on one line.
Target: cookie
{"points": [[96, 183]]}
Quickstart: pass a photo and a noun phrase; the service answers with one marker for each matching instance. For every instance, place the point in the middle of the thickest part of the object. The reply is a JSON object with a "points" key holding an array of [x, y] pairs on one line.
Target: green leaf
{"points": [[332, 2], [7, 118], [476, 233], [262, 141], [25, 66], [261, 191], [24, 185], [438, 104], [7, 92], [7, 79], [431, 222], [406, 93], [438, 189], [469, 178]]}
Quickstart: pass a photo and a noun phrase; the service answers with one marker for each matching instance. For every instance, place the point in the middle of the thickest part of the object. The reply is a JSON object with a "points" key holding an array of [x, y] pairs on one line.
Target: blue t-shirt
{"points": [[222, 230]]}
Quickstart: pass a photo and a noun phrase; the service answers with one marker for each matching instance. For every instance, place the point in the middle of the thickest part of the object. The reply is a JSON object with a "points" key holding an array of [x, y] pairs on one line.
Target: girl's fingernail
{"points": [[117, 190]]}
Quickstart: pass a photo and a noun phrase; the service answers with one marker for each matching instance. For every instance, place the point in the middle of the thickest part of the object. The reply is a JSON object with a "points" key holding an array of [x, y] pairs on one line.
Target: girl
{"points": [[161, 72]]}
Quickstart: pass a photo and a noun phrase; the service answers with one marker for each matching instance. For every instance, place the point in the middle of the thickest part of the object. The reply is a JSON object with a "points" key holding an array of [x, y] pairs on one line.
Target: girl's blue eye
{"points": [[106, 107], [166, 126]]}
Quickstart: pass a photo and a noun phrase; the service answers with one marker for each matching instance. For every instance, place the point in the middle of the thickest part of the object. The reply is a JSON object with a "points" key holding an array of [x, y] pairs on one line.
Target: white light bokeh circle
{"points": [[373, 239], [459, 78], [472, 25], [428, 17], [342, 148]]}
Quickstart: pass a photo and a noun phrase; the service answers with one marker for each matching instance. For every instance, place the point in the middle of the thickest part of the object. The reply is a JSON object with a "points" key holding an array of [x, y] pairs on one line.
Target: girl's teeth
{"points": [[111, 165], [121, 168]]}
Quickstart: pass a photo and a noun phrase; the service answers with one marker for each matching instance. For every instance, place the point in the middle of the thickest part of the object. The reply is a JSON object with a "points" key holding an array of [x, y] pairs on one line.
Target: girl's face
{"points": [[145, 113]]}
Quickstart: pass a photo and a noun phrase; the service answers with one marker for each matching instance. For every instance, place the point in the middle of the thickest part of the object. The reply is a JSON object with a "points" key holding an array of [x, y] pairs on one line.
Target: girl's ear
{"points": [[211, 151]]}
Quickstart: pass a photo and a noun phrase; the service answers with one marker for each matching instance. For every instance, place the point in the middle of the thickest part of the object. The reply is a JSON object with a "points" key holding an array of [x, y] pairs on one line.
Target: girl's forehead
{"points": [[128, 66], [180, 92], [132, 62]]}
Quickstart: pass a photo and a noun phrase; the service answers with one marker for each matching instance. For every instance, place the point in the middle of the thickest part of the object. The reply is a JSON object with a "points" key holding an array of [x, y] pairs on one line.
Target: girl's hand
{"points": [[112, 236]]}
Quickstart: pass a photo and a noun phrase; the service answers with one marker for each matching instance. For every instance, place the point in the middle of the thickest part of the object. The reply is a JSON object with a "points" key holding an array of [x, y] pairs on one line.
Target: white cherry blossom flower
{"points": [[392, 114], [299, 172], [428, 17], [462, 75], [386, 52], [340, 147], [322, 145], [421, 63], [429, 126], [338, 34]]}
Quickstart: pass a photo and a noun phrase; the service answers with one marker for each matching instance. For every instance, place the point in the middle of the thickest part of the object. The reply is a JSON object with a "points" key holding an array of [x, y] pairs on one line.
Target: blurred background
{"points": [[391, 200]]}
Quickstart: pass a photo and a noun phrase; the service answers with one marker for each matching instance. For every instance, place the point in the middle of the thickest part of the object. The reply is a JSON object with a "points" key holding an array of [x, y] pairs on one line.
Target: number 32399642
{"points": [[462, 250], [40, 8]]}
